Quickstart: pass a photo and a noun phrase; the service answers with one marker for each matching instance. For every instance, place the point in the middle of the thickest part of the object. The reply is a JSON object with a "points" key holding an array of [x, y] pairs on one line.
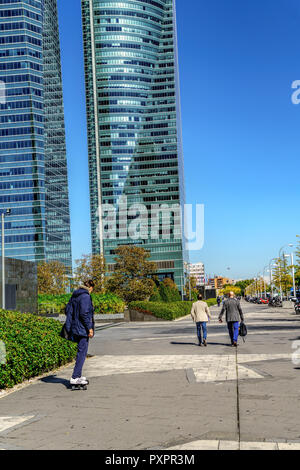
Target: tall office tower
{"points": [[133, 119], [32, 138], [58, 236]]}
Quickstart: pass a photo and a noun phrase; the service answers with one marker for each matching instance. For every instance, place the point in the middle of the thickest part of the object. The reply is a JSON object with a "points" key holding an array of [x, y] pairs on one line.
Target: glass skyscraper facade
{"points": [[58, 237], [33, 170], [133, 119]]}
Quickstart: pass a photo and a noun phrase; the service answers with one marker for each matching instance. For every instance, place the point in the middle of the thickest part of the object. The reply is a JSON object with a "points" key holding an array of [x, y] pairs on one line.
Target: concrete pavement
{"points": [[152, 387]]}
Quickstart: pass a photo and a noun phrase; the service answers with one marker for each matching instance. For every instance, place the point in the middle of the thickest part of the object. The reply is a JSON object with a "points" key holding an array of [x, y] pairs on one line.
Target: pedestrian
{"points": [[200, 314], [234, 315], [219, 300], [80, 326]]}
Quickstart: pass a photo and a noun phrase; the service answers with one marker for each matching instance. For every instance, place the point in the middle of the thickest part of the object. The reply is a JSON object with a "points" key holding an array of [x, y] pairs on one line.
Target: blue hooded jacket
{"points": [[80, 313]]}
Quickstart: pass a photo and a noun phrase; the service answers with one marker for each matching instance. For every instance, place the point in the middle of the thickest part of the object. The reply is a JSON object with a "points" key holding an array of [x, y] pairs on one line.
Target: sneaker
{"points": [[79, 381], [84, 378], [204, 342]]}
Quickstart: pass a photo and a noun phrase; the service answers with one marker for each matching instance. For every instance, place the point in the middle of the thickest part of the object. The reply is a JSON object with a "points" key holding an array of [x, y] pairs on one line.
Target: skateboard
{"points": [[79, 386]]}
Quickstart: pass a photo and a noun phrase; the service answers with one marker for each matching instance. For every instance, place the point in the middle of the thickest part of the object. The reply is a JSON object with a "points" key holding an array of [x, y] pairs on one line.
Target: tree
{"points": [[229, 288], [91, 267], [155, 296], [52, 277], [132, 276], [282, 275], [191, 284], [168, 291], [244, 284]]}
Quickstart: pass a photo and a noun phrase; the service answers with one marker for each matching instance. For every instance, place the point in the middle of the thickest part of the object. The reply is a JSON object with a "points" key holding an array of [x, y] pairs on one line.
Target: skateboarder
{"points": [[80, 326]]}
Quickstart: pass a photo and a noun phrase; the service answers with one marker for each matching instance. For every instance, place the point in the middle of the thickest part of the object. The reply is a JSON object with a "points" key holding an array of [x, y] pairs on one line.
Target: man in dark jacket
{"points": [[234, 315], [80, 326]]}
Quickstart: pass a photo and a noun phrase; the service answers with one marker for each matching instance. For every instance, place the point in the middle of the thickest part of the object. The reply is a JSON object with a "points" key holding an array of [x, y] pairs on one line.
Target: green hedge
{"points": [[165, 310], [33, 346], [103, 303], [211, 302]]}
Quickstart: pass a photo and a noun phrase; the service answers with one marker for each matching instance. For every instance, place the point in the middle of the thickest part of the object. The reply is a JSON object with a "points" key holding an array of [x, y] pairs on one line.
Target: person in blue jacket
{"points": [[80, 326]]}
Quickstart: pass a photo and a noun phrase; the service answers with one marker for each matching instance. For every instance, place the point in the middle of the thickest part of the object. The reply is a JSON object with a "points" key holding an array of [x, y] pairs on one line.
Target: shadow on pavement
{"points": [[53, 379], [177, 342], [196, 344]]}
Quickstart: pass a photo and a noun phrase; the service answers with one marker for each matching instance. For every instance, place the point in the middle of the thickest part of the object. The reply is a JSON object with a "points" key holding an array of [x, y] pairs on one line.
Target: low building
{"points": [[218, 282], [21, 287]]}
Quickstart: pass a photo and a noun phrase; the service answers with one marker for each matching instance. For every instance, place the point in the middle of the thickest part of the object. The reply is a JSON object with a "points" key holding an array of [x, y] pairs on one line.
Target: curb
{"points": [[107, 325], [27, 383]]}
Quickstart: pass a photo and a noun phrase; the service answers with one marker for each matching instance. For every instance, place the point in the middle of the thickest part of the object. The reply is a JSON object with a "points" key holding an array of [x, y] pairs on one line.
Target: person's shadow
{"points": [[177, 342], [196, 344], [53, 379]]}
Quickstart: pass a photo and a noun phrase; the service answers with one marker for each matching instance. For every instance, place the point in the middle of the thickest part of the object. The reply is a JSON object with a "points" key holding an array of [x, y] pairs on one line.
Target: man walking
{"points": [[80, 326], [234, 315], [200, 314]]}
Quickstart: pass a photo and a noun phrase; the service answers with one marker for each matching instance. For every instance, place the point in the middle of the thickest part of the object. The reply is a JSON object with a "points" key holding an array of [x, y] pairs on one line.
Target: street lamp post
{"points": [[259, 285], [265, 290], [3, 260], [270, 269], [293, 271], [290, 245], [7, 212]]}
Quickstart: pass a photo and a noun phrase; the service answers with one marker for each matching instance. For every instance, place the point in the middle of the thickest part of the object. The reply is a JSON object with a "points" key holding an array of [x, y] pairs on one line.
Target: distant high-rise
{"points": [[33, 169], [197, 271], [133, 118]]}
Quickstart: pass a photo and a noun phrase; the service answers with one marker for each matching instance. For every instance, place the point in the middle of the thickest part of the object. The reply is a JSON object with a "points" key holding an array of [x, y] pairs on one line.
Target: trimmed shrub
{"points": [[211, 302], [103, 303], [108, 303], [33, 346], [165, 310]]}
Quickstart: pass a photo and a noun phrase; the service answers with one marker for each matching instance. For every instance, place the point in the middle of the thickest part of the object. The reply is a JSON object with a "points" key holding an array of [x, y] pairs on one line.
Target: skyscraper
{"points": [[133, 119], [58, 236], [33, 170]]}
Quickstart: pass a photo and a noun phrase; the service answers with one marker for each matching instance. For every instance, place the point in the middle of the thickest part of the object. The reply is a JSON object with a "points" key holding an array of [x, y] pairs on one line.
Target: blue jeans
{"points": [[201, 327], [83, 344], [233, 328]]}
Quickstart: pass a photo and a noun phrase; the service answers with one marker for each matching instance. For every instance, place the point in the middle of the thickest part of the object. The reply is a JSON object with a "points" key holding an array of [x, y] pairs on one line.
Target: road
{"points": [[152, 387]]}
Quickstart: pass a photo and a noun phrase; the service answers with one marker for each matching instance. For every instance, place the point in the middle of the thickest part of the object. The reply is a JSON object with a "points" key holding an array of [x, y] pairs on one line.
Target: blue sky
{"points": [[241, 132]]}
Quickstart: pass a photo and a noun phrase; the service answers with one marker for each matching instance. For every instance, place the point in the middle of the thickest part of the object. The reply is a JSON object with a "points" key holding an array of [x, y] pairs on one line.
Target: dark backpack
{"points": [[69, 314], [243, 330]]}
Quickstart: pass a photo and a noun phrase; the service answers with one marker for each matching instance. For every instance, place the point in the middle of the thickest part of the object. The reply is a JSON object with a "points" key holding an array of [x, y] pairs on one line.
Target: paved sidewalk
{"points": [[152, 387]]}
